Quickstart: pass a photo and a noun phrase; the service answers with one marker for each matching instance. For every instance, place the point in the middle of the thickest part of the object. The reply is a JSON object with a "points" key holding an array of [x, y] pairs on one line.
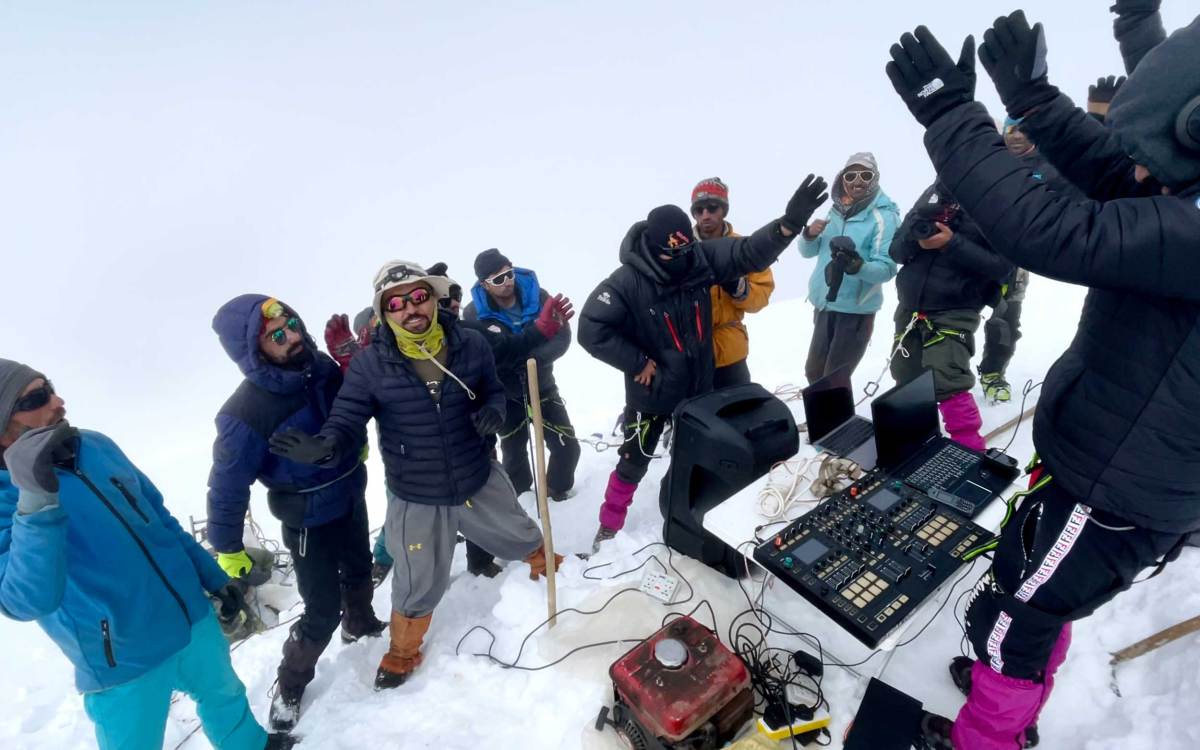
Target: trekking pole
{"points": [[535, 401], [1146, 645]]}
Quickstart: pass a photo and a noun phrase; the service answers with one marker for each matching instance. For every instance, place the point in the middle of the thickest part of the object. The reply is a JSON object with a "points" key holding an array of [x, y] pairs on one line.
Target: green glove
{"points": [[235, 564]]}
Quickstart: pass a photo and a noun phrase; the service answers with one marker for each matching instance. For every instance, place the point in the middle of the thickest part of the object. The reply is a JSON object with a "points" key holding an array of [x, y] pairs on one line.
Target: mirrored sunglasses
{"points": [[416, 297]]}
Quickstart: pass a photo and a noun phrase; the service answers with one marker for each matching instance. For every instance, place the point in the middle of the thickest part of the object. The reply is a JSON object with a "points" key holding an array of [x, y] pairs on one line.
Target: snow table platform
{"points": [[735, 521]]}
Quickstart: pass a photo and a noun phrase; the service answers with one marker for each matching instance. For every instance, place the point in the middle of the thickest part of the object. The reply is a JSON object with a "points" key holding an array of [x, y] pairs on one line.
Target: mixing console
{"points": [[870, 555]]}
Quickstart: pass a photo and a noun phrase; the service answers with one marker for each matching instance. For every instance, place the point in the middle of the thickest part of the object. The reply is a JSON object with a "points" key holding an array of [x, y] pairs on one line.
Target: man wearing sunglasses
{"points": [[511, 300], [289, 384], [88, 549], [851, 247], [652, 320], [731, 300], [343, 346], [431, 386]]}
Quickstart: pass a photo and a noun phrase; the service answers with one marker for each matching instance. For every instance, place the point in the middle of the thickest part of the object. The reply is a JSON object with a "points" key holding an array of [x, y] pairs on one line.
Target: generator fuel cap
{"points": [[671, 653]]}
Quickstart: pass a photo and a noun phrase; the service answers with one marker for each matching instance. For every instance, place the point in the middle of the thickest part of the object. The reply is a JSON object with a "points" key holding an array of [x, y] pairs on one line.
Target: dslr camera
{"points": [[939, 207]]}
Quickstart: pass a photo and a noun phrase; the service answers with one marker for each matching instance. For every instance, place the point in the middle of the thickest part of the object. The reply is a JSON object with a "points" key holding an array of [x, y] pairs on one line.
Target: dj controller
{"points": [[869, 555]]}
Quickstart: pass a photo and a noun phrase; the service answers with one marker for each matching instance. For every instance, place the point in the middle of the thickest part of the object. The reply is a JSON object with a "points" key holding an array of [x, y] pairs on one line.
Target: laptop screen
{"points": [[828, 403], [905, 417]]}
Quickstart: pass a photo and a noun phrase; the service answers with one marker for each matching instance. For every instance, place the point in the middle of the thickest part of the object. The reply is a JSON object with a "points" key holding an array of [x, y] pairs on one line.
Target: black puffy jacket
{"points": [[1118, 421], [640, 313], [965, 274], [431, 451]]}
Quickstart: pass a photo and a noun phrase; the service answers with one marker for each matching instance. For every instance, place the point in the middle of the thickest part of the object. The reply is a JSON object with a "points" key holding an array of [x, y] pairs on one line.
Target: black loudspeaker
{"points": [[722, 442]]}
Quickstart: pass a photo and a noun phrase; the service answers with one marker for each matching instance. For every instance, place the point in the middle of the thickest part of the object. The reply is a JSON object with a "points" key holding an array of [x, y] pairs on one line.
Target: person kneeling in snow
{"points": [[948, 274], [323, 510], [1118, 423], [652, 320], [431, 385], [89, 551]]}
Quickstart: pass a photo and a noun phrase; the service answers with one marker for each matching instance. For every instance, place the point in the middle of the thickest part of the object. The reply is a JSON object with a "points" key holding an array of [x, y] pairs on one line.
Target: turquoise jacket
{"points": [[108, 573], [871, 229]]}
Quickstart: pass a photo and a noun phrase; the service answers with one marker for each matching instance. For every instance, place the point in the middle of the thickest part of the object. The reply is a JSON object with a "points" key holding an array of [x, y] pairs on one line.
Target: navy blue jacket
{"points": [[432, 452], [1118, 420], [270, 400], [108, 573], [530, 298]]}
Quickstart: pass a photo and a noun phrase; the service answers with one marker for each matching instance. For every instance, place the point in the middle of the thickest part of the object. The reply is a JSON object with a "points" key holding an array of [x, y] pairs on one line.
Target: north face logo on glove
{"points": [[931, 88]]}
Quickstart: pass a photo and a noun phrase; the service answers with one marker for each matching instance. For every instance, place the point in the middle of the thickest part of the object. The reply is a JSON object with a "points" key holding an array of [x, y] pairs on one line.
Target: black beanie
{"points": [[489, 262], [669, 229], [1145, 111]]}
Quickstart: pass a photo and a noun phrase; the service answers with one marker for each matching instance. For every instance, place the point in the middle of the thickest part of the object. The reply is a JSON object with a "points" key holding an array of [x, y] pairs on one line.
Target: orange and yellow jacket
{"points": [[731, 342]]}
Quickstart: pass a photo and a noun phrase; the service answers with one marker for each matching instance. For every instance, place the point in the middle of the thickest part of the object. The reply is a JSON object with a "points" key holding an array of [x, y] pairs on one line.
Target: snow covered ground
{"points": [[465, 701]]}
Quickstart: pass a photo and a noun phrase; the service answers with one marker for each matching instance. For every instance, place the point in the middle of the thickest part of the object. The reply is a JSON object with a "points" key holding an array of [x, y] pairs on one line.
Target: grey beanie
{"points": [[14, 378], [865, 158], [1144, 111], [363, 319]]}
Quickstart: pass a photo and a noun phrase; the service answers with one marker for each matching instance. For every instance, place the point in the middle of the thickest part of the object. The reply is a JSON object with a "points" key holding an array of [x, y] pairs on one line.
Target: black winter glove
{"points": [[231, 602], [1136, 7], [807, 198], [487, 421], [925, 77], [738, 288], [843, 250], [1105, 89], [1014, 55], [30, 459], [303, 448]]}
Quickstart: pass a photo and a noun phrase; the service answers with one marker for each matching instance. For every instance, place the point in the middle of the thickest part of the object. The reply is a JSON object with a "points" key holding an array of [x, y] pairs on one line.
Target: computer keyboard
{"points": [[947, 465], [848, 437]]}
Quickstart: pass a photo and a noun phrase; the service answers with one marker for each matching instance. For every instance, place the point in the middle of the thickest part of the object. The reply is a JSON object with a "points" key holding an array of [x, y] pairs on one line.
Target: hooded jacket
{"points": [[108, 573], [530, 298], [269, 400], [1144, 115], [431, 450], [640, 312], [965, 274], [1118, 420], [731, 340], [871, 226]]}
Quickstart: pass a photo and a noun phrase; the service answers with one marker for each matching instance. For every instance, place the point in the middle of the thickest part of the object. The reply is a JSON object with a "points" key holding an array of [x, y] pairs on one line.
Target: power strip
{"points": [[659, 586]]}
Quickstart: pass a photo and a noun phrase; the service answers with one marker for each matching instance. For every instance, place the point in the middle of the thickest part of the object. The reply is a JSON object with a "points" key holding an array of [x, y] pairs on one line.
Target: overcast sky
{"points": [[158, 158]]}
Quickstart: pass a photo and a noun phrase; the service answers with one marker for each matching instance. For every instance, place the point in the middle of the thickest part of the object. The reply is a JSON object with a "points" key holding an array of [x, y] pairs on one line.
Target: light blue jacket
{"points": [[871, 229], [108, 573]]}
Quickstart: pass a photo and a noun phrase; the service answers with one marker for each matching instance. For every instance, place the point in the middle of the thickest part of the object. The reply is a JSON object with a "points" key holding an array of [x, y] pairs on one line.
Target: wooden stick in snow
{"points": [[535, 403]]}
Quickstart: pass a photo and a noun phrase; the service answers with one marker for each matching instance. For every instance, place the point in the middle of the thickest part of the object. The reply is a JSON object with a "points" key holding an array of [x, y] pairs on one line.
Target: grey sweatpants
{"points": [[421, 539]]}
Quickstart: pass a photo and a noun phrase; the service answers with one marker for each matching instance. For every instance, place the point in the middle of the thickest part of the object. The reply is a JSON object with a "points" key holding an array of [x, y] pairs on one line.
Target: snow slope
{"points": [[465, 701]]}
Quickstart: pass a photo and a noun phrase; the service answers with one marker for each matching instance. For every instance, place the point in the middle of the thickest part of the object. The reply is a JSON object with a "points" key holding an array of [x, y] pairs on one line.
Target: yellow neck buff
{"points": [[419, 345]]}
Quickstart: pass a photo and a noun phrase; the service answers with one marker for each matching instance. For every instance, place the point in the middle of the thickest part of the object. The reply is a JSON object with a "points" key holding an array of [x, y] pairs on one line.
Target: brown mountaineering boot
{"points": [[404, 654]]}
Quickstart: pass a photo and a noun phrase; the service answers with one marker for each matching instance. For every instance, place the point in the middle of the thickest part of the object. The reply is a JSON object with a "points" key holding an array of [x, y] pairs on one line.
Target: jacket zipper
{"points": [[141, 545], [129, 498], [437, 406], [699, 325], [671, 328], [108, 647]]}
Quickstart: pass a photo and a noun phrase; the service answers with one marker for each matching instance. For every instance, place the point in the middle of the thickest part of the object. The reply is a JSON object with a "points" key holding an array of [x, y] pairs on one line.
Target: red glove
{"points": [[339, 341], [555, 313]]}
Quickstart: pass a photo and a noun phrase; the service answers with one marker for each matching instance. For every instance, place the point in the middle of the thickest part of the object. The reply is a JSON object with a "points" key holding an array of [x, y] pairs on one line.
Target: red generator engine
{"points": [[680, 689]]}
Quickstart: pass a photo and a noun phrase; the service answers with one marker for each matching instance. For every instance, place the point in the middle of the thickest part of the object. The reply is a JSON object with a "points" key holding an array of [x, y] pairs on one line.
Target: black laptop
{"points": [[833, 426], [912, 449]]}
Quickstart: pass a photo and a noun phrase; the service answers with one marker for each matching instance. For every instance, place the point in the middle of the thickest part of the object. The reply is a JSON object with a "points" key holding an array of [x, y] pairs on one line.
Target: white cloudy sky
{"points": [[157, 158]]}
